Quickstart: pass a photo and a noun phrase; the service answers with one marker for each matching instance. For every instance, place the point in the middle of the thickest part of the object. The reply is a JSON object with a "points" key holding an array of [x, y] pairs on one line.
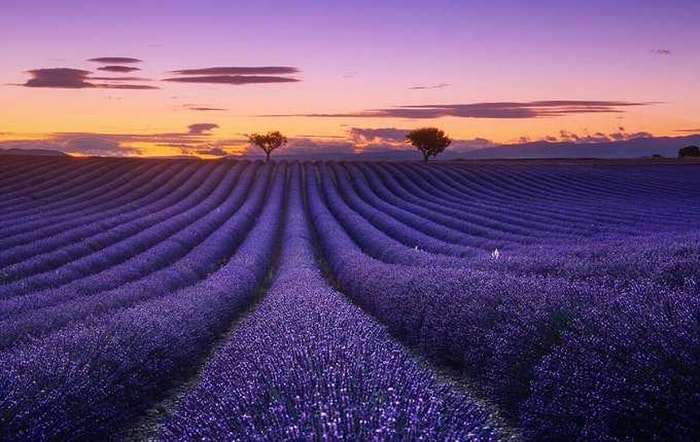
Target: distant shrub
{"points": [[430, 141], [657, 155], [689, 151], [268, 142]]}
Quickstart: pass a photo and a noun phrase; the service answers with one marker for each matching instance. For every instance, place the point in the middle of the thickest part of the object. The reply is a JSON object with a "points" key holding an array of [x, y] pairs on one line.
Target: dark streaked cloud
{"points": [[661, 51], [128, 86], [233, 79], [115, 60], [120, 78], [59, 78], [238, 70], [204, 108], [690, 131], [68, 78], [118, 68], [201, 128], [435, 86], [500, 110]]}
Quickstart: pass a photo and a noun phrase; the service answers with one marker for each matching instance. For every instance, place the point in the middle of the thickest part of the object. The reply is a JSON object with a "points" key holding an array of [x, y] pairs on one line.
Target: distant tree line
{"points": [[689, 151]]}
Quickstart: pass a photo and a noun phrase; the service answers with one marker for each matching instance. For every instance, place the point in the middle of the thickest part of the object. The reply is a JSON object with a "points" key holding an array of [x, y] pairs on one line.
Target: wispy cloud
{"points": [[120, 78], [118, 68], [660, 51], [500, 110], [435, 86], [67, 78], [115, 60], [381, 135], [204, 108], [690, 131], [127, 86], [586, 137], [216, 151], [239, 70], [84, 144], [233, 79], [201, 128], [236, 75]]}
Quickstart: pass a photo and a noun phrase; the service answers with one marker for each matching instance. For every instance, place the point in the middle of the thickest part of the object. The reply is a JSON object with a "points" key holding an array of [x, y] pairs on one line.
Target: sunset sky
{"points": [[138, 77]]}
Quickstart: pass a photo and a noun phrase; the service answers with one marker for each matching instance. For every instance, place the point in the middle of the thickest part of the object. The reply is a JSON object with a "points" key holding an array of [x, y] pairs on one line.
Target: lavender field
{"points": [[145, 299]]}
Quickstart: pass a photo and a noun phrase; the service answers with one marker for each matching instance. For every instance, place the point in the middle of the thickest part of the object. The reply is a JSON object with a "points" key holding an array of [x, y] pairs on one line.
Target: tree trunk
{"points": [[425, 158], [267, 156]]}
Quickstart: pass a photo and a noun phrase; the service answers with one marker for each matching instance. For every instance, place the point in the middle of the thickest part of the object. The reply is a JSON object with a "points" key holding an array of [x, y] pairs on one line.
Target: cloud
{"points": [[233, 79], [661, 51], [215, 151], [128, 86], [84, 144], [236, 75], [115, 60], [471, 144], [201, 128], [30, 144], [382, 135], [94, 145], [502, 110], [59, 78], [691, 131], [204, 108], [436, 86], [117, 68], [260, 70], [587, 138], [120, 78], [67, 78]]}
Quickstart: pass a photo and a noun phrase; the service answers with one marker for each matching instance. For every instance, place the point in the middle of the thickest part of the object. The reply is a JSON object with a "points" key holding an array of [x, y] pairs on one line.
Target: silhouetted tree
{"points": [[268, 142], [430, 141], [689, 151]]}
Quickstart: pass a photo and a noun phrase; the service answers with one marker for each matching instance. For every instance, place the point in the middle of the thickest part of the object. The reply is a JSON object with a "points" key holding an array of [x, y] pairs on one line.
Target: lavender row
{"points": [[308, 365], [14, 171], [541, 220], [47, 222], [570, 186], [371, 240], [358, 192], [39, 314], [343, 200], [472, 204], [89, 381], [572, 212], [178, 195], [50, 179], [465, 228], [138, 255], [100, 177], [504, 192], [505, 330]]}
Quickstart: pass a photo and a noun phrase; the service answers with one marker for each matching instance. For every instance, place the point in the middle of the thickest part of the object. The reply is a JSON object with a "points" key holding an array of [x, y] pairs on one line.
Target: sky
{"points": [[180, 77]]}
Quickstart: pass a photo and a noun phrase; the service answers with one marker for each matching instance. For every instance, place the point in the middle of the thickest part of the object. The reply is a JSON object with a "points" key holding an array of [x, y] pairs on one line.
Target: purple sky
{"points": [[348, 60]]}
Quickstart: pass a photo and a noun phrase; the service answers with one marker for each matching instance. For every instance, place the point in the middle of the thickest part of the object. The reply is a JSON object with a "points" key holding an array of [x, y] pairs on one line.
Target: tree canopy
{"points": [[689, 151], [430, 141], [268, 142]]}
